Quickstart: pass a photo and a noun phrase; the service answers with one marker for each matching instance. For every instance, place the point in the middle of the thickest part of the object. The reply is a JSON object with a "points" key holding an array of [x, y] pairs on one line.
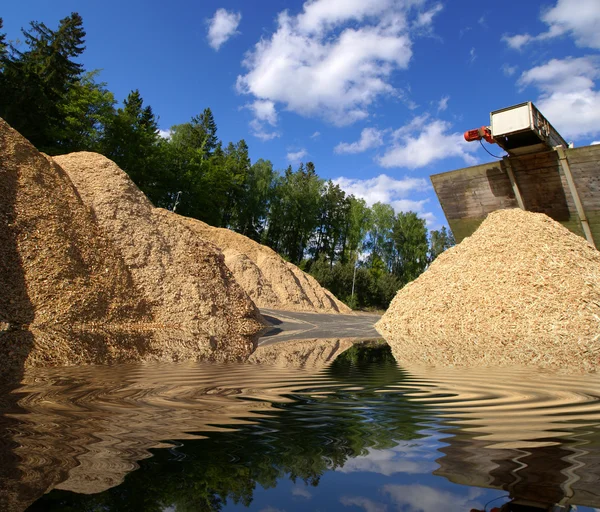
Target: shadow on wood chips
{"points": [[15, 343]]}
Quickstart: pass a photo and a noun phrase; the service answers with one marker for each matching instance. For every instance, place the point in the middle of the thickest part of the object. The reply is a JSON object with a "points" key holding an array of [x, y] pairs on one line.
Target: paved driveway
{"points": [[291, 325]]}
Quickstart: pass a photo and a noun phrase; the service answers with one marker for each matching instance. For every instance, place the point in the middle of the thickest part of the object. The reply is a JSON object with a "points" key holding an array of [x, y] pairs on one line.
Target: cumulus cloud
{"points": [[222, 26], [295, 157], [165, 134], [517, 42], [568, 94], [420, 498], [578, 18], [394, 192], [264, 115], [369, 138], [334, 59], [433, 141], [383, 188]]}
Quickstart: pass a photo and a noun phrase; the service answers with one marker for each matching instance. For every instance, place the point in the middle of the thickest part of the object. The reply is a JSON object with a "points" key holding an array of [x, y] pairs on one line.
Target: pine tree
{"points": [[36, 81], [2, 44], [131, 140]]}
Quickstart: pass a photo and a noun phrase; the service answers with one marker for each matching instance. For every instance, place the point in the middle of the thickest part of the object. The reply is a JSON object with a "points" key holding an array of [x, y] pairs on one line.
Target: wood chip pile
{"points": [[269, 280], [57, 269], [522, 290], [195, 296]]}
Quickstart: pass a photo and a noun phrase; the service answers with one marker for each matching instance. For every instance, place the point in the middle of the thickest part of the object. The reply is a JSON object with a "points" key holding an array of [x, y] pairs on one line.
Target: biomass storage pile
{"points": [[195, 296], [269, 280], [57, 269], [522, 290], [142, 233]]}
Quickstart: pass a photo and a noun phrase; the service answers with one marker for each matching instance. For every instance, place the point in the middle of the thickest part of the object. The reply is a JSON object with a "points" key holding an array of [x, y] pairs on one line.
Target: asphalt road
{"points": [[291, 325]]}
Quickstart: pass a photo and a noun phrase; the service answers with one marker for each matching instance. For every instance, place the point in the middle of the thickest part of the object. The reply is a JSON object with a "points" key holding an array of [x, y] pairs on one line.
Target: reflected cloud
{"points": [[402, 459], [365, 503], [418, 497], [301, 491]]}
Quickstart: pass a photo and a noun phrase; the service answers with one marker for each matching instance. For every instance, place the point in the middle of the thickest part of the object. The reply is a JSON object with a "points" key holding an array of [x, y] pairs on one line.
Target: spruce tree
{"points": [[36, 81]]}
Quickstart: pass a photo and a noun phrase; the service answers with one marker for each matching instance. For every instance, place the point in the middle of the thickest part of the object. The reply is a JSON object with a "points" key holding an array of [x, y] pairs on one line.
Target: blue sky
{"points": [[375, 92]]}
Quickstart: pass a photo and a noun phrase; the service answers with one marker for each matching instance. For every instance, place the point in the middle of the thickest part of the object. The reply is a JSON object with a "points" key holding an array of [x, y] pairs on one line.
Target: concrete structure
{"points": [[562, 183]]}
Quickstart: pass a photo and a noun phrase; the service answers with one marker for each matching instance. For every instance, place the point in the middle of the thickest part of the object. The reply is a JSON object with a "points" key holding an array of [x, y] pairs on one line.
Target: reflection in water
{"points": [[361, 434], [536, 435]]}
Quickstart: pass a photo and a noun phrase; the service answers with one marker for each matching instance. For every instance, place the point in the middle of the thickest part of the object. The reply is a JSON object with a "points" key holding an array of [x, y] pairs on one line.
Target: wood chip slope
{"points": [[269, 280], [57, 269], [182, 275], [522, 290]]}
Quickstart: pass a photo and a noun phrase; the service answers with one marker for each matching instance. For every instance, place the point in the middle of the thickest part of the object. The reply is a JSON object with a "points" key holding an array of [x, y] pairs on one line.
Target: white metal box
{"points": [[523, 129]]}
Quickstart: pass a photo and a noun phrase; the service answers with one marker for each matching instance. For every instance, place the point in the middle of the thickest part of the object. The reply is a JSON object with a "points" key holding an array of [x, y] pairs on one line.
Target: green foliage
{"points": [[409, 235], [88, 108], [2, 44], [440, 241], [46, 95], [36, 82]]}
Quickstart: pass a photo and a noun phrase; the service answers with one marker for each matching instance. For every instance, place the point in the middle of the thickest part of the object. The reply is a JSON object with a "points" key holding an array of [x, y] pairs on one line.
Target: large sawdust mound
{"points": [[57, 270], [522, 290], [182, 275], [269, 280]]}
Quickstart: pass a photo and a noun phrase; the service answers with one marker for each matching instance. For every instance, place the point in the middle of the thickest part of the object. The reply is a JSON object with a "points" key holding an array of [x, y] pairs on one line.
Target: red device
{"points": [[480, 133]]}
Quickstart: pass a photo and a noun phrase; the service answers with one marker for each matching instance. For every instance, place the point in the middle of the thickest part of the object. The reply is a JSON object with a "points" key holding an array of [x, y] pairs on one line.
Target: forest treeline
{"points": [[362, 254]]}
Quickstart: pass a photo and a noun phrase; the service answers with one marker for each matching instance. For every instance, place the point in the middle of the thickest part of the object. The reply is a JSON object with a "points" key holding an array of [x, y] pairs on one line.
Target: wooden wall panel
{"points": [[468, 195]]}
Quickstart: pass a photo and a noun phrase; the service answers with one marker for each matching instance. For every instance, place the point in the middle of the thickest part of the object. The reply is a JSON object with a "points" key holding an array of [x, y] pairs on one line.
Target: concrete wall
{"points": [[468, 195]]}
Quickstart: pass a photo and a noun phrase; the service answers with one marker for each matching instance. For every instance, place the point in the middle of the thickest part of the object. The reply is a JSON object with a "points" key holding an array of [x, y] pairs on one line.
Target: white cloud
{"points": [[264, 110], [420, 498], [258, 130], [595, 142], [433, 141], [222, 26], [165, 134], [578, 18], [315, 135], [382, 188], [295, 157], [568, 95], [409, 205], [264, 114], [334, 59], [443, 103], [369, 138], [518, 41], [472, 55], [509, 70], [361, 502], [425, 19]]}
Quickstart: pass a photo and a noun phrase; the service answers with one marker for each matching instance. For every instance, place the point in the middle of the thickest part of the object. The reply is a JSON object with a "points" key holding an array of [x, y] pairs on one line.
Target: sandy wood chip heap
{"points": [[522, 290], [195, 296], [76, 289], [57, 269], [269, 280]]}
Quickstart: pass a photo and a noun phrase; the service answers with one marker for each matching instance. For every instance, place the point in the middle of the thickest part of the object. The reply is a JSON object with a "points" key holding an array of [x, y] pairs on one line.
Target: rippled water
{"points": [[361, 434]]}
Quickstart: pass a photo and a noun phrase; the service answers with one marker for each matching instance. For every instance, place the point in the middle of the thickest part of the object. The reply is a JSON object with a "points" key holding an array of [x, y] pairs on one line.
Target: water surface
{"points": [[361, 434]]}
